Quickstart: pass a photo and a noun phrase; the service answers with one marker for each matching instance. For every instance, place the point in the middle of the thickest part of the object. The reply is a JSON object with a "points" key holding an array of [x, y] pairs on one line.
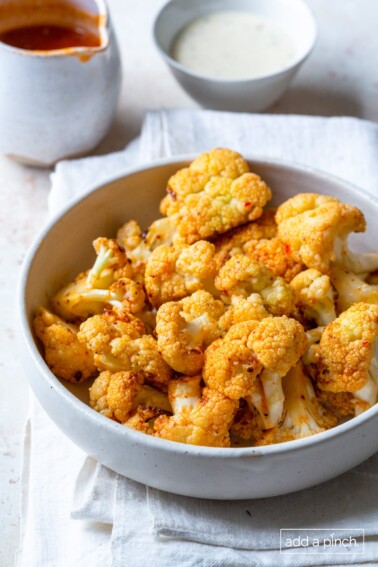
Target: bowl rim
{"points": [[186, 70], [136, 437]]}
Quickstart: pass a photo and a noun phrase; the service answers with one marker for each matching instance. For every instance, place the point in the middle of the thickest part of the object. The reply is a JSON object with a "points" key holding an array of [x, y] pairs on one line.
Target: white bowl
{"points": [[248, 95], [64, 248]]}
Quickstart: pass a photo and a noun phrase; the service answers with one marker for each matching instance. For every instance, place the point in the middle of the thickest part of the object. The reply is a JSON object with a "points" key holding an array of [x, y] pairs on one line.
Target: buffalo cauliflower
{"points": [[66, 357], [242, 276], [119, 344], [243, 309], [316, 227], [303, 415], [207, 423], [116, 395], [236, 240], [250, 361], [314, 296], [185, 328], [346, 358], [173, 273], [352, 289], [217, 199]]}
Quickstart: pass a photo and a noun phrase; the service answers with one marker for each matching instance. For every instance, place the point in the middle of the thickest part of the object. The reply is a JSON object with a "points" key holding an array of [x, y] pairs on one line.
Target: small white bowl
{"points": [[247, 95], [64, 248]]}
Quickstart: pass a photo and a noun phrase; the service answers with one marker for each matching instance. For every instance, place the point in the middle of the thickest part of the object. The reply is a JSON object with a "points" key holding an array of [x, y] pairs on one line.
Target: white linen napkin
{"points": [[148, 525]]}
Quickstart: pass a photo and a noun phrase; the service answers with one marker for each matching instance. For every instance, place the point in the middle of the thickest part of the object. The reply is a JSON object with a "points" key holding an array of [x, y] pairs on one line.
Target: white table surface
{"points": [[340, 78]]}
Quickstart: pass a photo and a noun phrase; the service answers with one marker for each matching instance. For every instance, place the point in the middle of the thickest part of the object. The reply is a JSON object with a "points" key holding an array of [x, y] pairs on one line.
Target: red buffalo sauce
{"points": [[49, 37]]}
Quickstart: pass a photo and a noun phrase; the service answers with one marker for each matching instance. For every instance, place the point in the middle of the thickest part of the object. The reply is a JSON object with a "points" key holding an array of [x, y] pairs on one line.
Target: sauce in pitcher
{"points": [[49, 37]]}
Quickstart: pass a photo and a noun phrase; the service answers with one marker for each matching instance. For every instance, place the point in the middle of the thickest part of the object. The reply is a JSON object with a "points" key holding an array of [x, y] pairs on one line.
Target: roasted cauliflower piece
{"points": [[219, 162], [216, 198], [140, 245], [351, 289], [314, 296], [346, 358], [304, 415], [236, 240], [185, 328], [241, 276], [66, 357], [275, 255], [206, 424], [243, 309], [110, 265], [173, 273], [116, 395], [142, 419], [120, 344], [78, 299], [250, 361], [316, 227]]}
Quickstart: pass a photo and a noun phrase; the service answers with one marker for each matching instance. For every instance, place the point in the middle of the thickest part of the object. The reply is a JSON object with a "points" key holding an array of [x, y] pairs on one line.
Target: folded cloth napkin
{"points": [[148, 525]]}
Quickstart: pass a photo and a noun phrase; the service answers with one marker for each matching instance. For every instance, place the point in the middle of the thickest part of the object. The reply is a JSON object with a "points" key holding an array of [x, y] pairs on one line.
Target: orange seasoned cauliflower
{"points": [[314, 296], [275, 255], [66, 357], [236, 240], [185, 328], [173, 273], [346, 357], [250, 361], [116, 395], [119, 344], [351, 289], [242, 276], [316, 227], [243, 309], [304, 415], [206, 424], [247, 426], [213, 199]]}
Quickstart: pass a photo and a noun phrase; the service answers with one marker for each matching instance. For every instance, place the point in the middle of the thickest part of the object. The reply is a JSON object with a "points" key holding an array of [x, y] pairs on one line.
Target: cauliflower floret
{"points": [[243, 309], [66, 357], [314, 296], [275, 255], [316, 228], [250, 361], [173, 273], [230, 366], [119, 344], [185, 328], [76, 302], [352, 289], [142, 419], [236, 240], [184, 393], [116, 395], [304, 415], [140, 245], [347, 355], [242, 276], [111, 264], [213, 199], [206, 424], [219, 162]]}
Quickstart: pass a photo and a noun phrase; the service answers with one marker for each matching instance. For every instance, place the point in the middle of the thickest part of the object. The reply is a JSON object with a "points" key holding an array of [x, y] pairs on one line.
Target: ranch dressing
{"points": [[233, 45]]}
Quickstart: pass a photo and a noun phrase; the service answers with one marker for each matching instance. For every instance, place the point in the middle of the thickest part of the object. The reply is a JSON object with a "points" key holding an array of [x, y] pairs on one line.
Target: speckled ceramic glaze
{"points": [[249, 95], [57, 104], [64, 248]]}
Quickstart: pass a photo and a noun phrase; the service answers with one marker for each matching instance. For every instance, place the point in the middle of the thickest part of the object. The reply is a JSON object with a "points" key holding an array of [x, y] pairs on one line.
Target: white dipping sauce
{"points": [[233, 45]]}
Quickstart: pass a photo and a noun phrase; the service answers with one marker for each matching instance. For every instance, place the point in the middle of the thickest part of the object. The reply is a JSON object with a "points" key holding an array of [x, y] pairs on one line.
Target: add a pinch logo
{"points": [[322, 541]]}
